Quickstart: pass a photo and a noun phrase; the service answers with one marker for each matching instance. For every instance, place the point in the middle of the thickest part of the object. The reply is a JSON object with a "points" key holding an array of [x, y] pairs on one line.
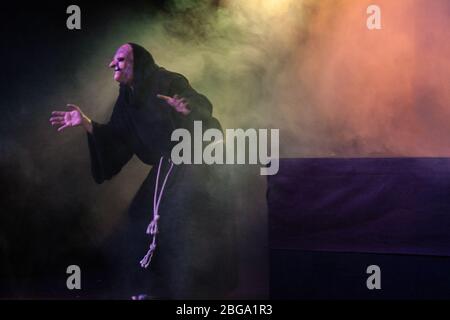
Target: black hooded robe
{"points": [[195, 255]]}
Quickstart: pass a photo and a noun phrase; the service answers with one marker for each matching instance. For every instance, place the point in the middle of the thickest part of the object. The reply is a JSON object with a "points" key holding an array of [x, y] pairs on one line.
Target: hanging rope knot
{"points": [[148, 257], [152, 228]]}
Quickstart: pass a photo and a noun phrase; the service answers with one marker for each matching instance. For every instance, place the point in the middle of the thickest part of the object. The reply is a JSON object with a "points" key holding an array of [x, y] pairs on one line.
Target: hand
{"points": [[178, 103], [73, 118]]}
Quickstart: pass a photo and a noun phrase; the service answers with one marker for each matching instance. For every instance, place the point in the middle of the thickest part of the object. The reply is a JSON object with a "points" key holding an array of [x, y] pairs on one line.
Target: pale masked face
{"points": [[122, 63]]}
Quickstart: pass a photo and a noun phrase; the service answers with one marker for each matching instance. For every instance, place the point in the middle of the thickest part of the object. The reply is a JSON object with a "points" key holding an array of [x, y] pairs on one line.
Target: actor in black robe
{"points": [[195, 253]]}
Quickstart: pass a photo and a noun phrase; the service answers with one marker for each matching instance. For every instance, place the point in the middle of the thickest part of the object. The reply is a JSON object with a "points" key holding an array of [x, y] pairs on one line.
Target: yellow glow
{"points": [[275, 7], [263, 8]]}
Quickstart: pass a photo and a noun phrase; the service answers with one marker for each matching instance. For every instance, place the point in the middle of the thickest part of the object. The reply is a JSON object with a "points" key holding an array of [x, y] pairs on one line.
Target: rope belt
{"points": [[152, 228]]}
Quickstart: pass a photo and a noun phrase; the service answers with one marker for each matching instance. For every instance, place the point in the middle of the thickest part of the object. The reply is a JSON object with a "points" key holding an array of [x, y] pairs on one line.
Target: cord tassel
{"points": [[152, 228], [148, 257]]}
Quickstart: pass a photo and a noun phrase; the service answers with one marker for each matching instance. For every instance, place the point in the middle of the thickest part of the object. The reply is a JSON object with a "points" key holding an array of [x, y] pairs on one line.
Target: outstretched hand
{"points": [[178, 103], [72, 118]]}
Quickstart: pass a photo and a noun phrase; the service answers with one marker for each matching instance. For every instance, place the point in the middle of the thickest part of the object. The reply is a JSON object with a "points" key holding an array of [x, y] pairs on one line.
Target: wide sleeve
{"points": [[108, 153]]}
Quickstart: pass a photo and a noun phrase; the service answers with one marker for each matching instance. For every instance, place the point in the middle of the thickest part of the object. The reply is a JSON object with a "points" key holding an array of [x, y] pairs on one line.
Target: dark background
{"points": [[41, 235], [49, 203]]}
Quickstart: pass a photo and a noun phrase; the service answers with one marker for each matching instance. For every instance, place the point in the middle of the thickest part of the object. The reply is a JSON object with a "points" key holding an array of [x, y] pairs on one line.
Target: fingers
{"points": [[62, 127], [57, 119], [176, 100], [62, 113], [185, 109], [73, 106], [58, 113], [178, 103], [163, 97], [57, 122]]}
